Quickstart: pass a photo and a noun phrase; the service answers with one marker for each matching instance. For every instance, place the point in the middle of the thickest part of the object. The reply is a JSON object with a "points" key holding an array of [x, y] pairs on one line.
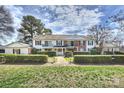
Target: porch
{"points": [[60, 50]]}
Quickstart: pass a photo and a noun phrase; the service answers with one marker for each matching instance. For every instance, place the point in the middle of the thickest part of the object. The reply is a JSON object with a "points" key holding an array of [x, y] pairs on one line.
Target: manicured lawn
{"points": [[61, 76]]}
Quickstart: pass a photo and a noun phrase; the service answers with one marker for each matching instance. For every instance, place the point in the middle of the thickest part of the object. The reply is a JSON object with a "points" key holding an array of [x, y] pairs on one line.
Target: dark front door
{"points": [[72, 43]]}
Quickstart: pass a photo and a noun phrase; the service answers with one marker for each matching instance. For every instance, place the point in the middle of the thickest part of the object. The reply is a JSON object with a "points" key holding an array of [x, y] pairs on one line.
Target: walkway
{"points": [[60, 61]]}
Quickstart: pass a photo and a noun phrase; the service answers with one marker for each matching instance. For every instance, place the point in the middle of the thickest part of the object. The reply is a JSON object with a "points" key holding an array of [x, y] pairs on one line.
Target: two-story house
{"points": [[58, 43], [62, 43]]}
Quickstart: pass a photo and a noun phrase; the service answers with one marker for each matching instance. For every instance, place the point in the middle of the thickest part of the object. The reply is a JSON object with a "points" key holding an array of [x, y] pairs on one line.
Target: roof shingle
{"points": [[60, 37]]}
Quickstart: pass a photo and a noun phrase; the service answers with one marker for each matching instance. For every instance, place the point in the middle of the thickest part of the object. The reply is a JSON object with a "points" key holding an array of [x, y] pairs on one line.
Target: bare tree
{"points": [[119, 19], [100, 34], [6, 24]]}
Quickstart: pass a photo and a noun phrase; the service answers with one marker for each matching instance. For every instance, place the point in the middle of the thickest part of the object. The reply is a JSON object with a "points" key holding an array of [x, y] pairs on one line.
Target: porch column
{"points": [[76, 48], [62, 51]]}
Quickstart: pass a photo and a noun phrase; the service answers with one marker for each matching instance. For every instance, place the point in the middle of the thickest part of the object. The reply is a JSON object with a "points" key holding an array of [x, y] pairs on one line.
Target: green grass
{"points": [[61, 76]]}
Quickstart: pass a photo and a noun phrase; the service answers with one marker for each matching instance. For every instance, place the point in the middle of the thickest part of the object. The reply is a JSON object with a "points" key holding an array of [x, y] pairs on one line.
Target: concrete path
{"points": [[61, 61]]}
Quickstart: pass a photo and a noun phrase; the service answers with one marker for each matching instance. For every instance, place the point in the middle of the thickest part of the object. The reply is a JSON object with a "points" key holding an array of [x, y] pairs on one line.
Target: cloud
{"points": [[74, 20], [16, 15], [71, 19]]}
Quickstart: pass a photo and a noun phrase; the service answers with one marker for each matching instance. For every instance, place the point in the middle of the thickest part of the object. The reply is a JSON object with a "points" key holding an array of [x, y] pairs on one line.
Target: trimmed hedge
{"points": [[110, 53], [49, 53], [92, 59], [119, 53], [99, 59], [119, 59], [16, 58], [81, 53]]}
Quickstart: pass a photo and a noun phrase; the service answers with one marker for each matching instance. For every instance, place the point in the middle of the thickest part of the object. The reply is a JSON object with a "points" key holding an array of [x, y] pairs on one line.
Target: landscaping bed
{"points": [[61, 76]]}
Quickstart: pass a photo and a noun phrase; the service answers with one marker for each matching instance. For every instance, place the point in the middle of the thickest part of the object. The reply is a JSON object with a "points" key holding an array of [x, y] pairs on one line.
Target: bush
{"points": [[16, 58], [119, 53], [81, 53], [116, 52], [108, 53], [118, 59], [93, 59], [49, 53], [68, 54], [94, 52], [34, 51]]}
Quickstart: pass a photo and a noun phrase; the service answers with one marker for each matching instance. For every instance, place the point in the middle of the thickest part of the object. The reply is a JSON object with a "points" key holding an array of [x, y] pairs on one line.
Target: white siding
{"points": [[23, 50], [8, 51]]}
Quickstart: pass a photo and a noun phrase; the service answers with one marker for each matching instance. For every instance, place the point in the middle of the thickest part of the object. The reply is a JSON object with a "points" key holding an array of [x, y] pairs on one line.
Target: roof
{"points": [[17, 45], [60, 37], [1, 46]]}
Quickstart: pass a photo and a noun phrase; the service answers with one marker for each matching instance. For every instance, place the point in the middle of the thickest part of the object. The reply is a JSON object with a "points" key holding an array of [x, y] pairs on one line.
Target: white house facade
{"points": [[58, 43], [62, 43]]}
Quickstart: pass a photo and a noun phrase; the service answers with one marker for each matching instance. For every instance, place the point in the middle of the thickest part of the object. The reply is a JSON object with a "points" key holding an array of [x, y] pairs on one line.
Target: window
{"points": [[46, 43], [2, 50], [59, 43], [37, 42], [84, 43], [89, 49], [90, 42], [72, 43]]}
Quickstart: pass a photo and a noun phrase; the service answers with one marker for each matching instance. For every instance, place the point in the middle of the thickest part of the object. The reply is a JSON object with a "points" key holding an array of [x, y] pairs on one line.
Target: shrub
{"points": [[119, 53], [68, 54], [119, 59], [108, 53], [116, 52], [16, 58], [92, 59], [81, 53], [49, 53], [34, 51], [94, 52]]}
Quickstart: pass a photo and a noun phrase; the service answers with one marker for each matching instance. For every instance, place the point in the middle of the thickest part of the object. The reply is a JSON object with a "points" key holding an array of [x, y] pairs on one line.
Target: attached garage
{"points": [[17, 48]]}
